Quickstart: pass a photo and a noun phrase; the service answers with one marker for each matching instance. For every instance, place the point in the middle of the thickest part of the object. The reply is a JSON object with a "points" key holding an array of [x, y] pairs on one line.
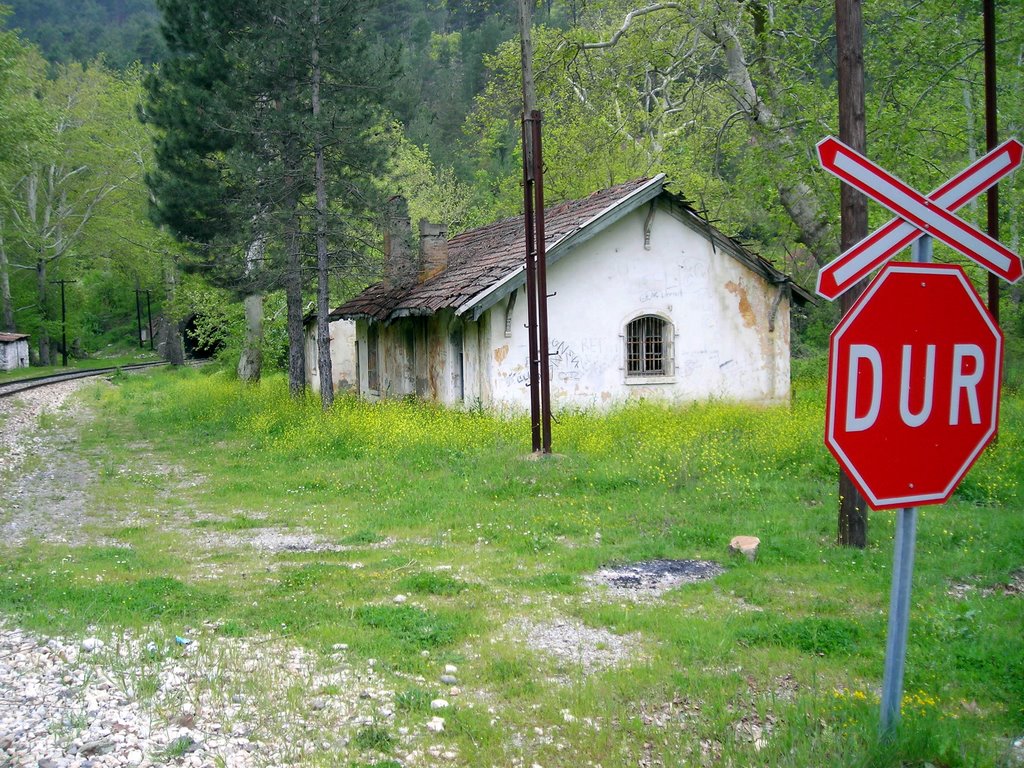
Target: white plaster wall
{"points": [[343, 356], [719, 309]]}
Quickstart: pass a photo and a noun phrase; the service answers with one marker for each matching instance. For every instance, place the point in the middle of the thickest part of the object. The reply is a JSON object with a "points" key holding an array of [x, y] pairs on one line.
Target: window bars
{"points": [[646, 347]]}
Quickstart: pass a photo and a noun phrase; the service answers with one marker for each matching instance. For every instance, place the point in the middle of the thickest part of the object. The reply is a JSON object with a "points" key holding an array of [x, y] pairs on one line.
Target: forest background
{"points": [[109, 121]]}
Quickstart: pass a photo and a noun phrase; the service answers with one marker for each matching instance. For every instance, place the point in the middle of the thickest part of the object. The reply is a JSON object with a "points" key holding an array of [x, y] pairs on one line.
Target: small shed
{"points": [[13, 351]]}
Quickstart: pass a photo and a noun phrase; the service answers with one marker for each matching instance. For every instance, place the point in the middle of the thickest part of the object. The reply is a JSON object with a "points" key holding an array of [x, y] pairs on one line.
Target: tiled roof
{"points": [[478, 258], [5, 337]]}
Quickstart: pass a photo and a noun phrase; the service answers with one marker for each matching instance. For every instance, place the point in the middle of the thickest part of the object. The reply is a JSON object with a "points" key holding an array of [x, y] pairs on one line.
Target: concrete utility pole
{"points": [[853, 511], [138, 316], [149, 315], [536, 259]]}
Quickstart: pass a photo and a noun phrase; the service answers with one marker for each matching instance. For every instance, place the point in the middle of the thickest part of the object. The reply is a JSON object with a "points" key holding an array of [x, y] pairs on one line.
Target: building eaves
{"points": [[565, 242]]}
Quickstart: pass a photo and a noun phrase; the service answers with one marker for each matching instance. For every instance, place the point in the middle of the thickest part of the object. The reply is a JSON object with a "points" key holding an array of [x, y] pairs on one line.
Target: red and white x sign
{"points": [[918, 214]]}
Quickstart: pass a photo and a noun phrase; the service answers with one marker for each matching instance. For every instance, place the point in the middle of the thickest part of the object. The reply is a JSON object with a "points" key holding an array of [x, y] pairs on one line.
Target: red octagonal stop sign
{"points": [[913, 385]]}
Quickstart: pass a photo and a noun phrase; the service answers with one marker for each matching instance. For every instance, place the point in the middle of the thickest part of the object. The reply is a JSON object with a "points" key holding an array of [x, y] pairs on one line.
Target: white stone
{"points": [[450, 669], [439, 704], [436, 724], [400, 599], [91, 644]]}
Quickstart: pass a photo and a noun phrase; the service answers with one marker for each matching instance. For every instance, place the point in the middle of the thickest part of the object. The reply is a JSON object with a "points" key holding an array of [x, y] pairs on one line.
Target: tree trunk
{"points": [[293, 299], [323, 320], [170, 348], [5, 285], [250, 364], [853, 511]]}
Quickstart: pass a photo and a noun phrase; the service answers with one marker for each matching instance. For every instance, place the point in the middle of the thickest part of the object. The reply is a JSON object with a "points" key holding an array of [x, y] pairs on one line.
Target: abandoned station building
{"points": [[647, 299]]}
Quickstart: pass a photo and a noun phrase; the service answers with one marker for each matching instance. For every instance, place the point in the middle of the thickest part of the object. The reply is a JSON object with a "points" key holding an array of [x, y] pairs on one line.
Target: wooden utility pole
{"points": [[536, 259], [63, 321], [853, 511], [991, 140]]}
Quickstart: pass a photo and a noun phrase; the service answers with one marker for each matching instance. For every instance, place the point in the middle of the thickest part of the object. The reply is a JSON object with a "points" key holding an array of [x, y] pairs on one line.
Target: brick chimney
{"points": [[433, 249], [401, 266]]}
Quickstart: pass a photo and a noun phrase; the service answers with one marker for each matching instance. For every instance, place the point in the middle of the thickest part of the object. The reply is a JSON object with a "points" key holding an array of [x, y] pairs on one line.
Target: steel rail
{"points": [[14, 386]]}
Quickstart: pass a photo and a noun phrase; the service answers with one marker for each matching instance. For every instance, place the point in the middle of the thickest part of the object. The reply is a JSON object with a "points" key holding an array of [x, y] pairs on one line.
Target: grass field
{"points": [[776, 662]]}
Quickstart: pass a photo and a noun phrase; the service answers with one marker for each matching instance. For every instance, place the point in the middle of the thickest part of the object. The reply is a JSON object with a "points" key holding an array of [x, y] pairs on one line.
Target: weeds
{"points": [[440, 507]]}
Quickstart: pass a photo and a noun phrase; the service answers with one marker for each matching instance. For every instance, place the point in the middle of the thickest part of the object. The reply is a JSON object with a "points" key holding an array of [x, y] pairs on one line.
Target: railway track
{"points": [[15, 386]]}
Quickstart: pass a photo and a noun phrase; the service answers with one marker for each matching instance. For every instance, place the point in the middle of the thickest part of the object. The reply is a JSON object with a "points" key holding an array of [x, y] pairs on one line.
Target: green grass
{"points": [[442, 507]]}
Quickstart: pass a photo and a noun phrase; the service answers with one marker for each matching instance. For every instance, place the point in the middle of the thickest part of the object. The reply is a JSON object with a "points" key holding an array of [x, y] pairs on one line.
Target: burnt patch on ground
{"points": [[651, 578]]}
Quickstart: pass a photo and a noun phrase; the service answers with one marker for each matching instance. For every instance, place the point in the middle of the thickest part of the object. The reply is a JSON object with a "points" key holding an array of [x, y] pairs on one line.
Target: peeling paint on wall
{"points": [[500, 354], [746, 311]]}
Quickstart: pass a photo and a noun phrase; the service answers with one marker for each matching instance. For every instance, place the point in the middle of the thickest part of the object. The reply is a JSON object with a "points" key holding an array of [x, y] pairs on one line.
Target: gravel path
{"points": [[121, 701], [42, 482]]}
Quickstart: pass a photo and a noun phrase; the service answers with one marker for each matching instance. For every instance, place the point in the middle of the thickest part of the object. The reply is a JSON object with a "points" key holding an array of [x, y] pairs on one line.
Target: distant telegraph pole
{"points": [[536, 259], [853, 512], [63, 321]]}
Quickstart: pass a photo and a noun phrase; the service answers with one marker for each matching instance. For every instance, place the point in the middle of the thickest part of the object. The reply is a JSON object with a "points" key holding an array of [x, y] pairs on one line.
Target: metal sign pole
{"points": [[899, 618], [902, 575]]}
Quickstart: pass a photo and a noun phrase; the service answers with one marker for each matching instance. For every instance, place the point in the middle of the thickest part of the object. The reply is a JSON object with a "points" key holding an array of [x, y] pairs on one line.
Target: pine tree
{"points": [[267, 110]]}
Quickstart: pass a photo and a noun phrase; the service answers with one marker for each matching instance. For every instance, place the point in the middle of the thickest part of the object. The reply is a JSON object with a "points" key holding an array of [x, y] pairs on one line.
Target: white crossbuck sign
{"points": [[918, 214]]}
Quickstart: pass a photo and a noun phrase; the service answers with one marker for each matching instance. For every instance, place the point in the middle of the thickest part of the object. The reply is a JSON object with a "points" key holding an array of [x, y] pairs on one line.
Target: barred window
{"points": [[648, 347]]}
